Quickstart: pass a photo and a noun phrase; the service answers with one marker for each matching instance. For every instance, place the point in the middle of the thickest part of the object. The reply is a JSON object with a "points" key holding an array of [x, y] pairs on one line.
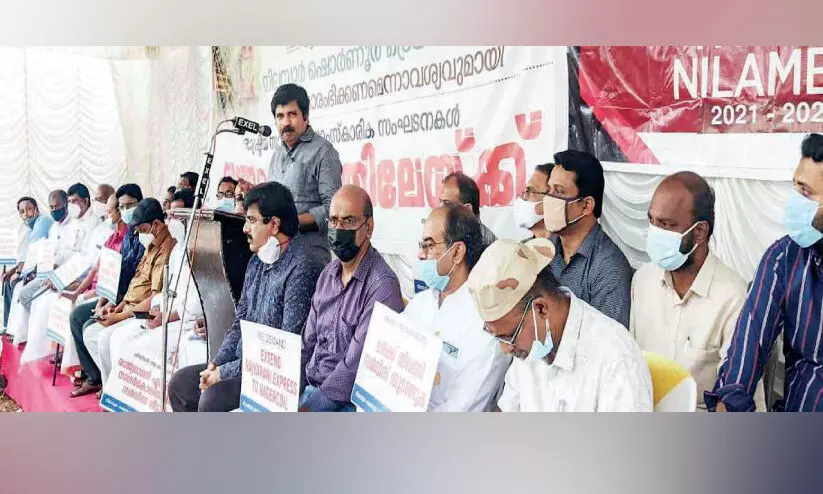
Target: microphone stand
{"points": [[169, 293]]}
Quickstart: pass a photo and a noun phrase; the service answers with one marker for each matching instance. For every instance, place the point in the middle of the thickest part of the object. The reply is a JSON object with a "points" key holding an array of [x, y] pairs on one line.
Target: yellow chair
{"points": [[674, 388]]}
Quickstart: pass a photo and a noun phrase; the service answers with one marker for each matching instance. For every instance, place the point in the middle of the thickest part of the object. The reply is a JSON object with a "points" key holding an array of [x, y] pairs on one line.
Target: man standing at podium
{"points": [[307, 164]]}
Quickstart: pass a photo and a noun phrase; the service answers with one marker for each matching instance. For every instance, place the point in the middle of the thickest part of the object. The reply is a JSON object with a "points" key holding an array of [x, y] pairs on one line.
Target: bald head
{"points": [[690, 191], [354, 200], [104, 191]]}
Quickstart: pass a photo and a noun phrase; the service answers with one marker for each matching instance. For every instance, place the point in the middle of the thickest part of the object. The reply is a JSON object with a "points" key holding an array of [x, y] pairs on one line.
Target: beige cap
{"points": [[505, 273]]}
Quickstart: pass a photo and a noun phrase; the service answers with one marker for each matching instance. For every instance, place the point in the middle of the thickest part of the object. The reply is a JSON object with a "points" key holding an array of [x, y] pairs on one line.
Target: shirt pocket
{"points": [[702, 365]]}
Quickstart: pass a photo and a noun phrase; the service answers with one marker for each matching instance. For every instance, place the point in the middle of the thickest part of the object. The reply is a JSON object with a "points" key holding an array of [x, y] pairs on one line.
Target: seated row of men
{"points": [[565, 303]]}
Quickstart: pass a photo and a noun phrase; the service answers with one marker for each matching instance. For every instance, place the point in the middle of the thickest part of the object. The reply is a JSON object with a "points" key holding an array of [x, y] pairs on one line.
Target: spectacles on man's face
{"points": [[511, 340], [532, 195], [428, 245], [346, 222], [225, 195]]}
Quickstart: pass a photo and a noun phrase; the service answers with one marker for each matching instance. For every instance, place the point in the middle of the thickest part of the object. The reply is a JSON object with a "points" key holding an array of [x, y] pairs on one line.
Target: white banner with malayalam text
{"points": [[402, 118]]}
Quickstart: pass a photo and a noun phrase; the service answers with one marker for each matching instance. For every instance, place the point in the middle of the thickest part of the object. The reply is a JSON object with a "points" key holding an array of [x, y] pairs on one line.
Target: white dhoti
{"points": [[18, 317], [38, 345], [97, 339]]}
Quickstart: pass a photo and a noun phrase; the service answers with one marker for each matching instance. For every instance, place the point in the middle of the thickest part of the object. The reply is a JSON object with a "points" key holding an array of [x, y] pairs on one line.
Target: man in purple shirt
{"points": [[342, 304]]}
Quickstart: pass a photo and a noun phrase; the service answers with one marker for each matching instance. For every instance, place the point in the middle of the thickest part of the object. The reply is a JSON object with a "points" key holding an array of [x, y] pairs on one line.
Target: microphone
{"points": [[245, 125]]}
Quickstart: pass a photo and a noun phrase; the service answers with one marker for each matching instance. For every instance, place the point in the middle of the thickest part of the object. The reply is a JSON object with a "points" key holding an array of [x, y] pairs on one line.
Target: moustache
{"points": [[288, 128]]}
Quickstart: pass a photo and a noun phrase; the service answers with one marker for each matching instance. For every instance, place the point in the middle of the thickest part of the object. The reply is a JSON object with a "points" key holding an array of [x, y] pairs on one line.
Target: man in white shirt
{"points": [[570, 357], [84, 238], [472, 366], [685, 303]]}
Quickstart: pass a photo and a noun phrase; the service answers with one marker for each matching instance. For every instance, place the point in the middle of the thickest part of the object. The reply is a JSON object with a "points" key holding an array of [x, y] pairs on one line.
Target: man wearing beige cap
{"points": [[570, 357]]}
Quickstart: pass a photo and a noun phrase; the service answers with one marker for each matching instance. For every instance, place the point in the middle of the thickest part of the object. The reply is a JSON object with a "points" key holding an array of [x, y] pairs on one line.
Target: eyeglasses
{"points": [[531, 193], [225, 195], [427, 245], [346, 222], [513, 338]]}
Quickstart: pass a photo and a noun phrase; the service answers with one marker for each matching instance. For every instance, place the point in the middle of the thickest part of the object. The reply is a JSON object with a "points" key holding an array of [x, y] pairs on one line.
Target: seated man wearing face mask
{"points": [[38, 226], [587, 261], [124, 241], [786, 299], [225, 195], [570, 357], [277, 292], [342, 305], [471, 367], [69, 235], [685, 302], [528, 208], [148, 220]]}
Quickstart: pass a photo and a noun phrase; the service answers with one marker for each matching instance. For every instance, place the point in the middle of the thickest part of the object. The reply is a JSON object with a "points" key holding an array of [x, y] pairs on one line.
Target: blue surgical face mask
{"points": [[127, 215], [225, 204], [798, 217], [540, 349], [663, 247], [427, 273]]}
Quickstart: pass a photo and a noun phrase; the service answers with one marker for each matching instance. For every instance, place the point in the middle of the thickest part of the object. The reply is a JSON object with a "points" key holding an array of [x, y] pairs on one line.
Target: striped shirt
{"points": [[786, 296], [598, 274]]}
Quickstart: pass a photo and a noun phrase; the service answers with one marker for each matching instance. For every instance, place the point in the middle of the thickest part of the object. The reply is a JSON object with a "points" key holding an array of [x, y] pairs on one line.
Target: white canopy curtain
{"points": [[71, 117]]}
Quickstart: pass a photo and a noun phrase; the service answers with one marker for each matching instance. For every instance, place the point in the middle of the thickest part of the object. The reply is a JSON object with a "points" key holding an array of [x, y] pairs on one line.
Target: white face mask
{"points": [[98, 209], [525, 214], [74, 210], [146, 239], [270, 252]]}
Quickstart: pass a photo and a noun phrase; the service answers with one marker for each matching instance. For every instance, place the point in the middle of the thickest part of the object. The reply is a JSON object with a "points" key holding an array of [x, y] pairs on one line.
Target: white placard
{"points": [[8, 246], [108, 274], [135, 383], [58, 329], [271, 369], [45, 258], [69, 272], [397, 366]]}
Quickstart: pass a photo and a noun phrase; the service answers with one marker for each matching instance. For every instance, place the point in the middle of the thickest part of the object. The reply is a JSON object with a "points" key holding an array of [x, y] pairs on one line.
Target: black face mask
{"points": [[343, 243], [59, 214]]}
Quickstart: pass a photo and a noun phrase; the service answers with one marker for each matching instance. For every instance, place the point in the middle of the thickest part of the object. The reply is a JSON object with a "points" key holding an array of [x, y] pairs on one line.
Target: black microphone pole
{"points": [[171, 293]]}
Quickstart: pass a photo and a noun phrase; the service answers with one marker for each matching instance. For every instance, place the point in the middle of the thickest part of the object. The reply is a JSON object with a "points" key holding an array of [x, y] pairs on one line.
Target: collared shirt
{"points": [[95, 240], [338, 323], [276, 295], [69, 239], [131, 252], [114, 242], [598, 368], [696, 330], [487, 235], [39, 230], [148, 279], [312, 172], [472, 367], [786, 297], [598, 273]]}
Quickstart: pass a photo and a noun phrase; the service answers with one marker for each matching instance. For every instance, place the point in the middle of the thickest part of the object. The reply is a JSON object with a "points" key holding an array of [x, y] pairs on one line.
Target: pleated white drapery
{"points": [[69, 117]]}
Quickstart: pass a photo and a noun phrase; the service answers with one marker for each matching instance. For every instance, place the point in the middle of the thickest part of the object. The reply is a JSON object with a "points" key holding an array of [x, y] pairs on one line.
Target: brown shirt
{"points": [[148, 280]]}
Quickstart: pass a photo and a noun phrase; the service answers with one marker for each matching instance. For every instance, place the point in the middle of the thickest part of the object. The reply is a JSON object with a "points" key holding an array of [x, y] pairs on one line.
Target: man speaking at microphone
{"points": [[307, 164]]}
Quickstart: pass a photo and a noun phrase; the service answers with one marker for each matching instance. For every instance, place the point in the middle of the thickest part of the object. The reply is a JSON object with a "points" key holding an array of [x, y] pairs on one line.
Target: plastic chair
{"points": [[674, 388]]}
